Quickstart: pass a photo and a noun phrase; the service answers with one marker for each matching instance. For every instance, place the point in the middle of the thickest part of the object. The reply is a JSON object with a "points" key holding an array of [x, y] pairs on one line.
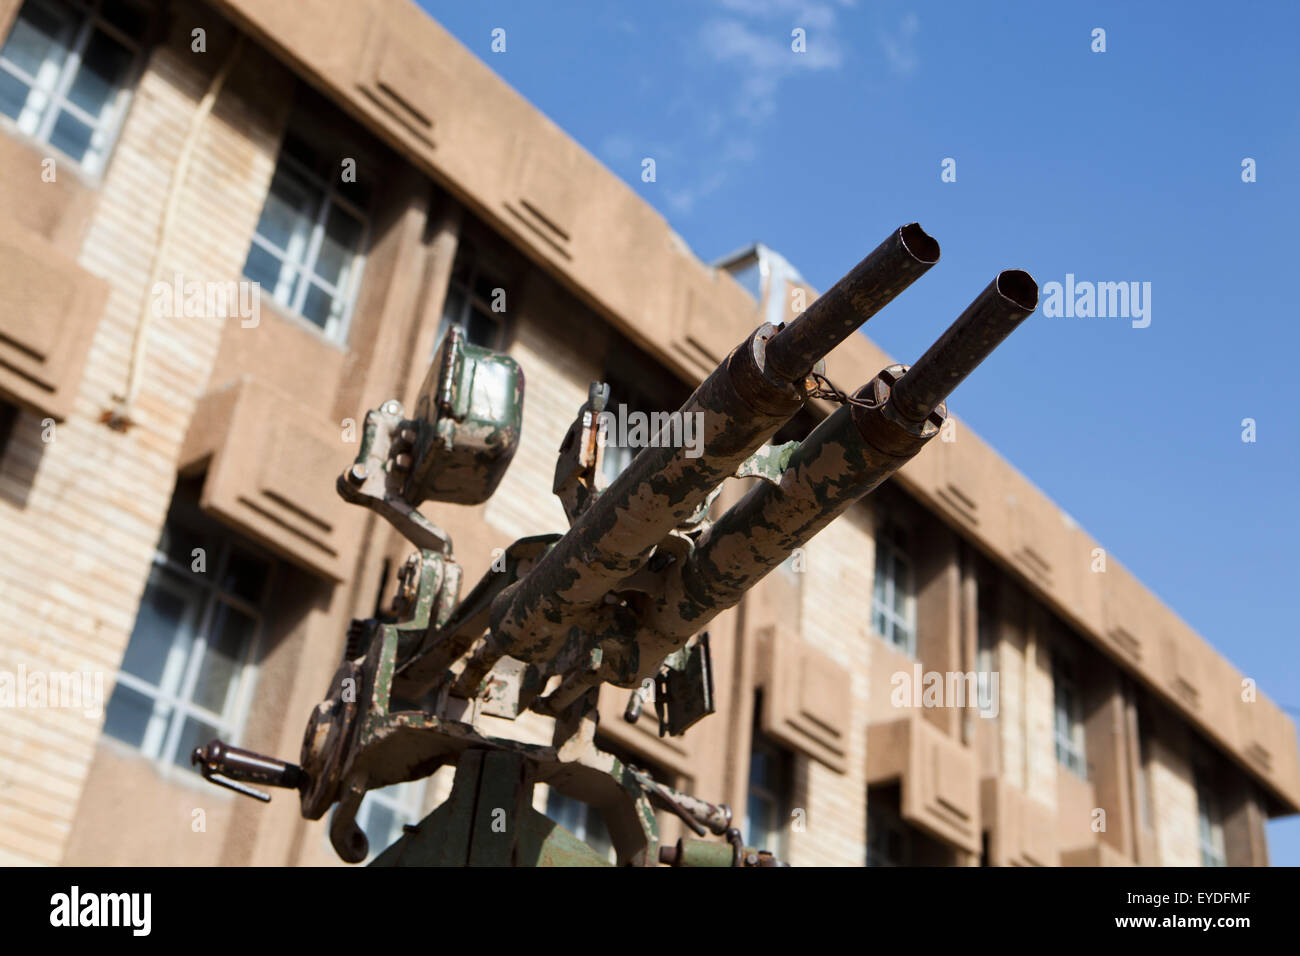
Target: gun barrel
{"points": [[851, 453], [995, 313], [739, 407], [871, 285]]}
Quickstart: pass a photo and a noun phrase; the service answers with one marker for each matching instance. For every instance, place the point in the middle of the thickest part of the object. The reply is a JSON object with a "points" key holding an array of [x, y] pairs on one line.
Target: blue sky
{"points": [[1117, 166]]}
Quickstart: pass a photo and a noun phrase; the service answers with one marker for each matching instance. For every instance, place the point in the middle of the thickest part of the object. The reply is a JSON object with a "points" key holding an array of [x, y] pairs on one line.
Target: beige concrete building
{"points": [[176, 564]]}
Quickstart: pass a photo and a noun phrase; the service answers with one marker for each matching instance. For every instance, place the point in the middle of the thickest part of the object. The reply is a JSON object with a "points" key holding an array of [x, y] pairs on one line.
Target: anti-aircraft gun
{"points": [[623, 597]]}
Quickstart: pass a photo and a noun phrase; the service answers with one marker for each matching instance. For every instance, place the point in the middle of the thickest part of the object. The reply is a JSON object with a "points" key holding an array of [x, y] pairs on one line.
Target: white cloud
{"points": [[751, 44], [899, 46], [760, 47]]}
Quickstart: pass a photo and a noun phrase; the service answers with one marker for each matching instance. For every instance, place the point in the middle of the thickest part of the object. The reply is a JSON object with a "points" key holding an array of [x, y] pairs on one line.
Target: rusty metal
{"points": [[234, 768], [741, 404], [871, 285], [622, 597], [1010, 298]]}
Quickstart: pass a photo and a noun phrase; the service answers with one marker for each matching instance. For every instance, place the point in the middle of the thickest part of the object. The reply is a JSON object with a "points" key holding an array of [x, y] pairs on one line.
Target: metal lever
{"points": [[700, 815], [234, 768]]}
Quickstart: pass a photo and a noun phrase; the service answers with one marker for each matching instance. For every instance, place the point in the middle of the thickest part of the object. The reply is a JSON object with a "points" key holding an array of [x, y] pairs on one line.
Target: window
{"points": [[1210, 822], [893, 601], [766, 807], [64, 71], [1068, 716], [585, 821], [187, 667], [386, 811], [307, 250], [625, 400], [887, 837], [582, 820], [476, 302]]}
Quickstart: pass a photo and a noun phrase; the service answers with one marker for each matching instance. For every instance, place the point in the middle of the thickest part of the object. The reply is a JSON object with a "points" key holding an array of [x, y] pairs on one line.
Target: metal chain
{"points": [[828, 390]]}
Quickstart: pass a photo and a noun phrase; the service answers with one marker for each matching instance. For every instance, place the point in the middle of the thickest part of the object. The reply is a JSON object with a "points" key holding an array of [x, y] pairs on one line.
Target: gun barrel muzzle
{"points": [[870, 286], [995, 313], [852, 452]]}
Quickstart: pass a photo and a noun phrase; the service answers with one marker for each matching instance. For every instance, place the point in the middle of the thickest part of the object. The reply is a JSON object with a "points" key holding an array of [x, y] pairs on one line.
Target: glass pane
{"points": [[71, 135], [287, 215], [755, 817], [165, 618], [195, 733], [382, 828], [758, 768], [878, 622], [878, 589], [104, 63], [265, 268], [13, 94], [128, 714], [40, 33], [900, 593], [567, 812], [231, 632], [245, 576], [318, 306], [339, 245], [597, 836]]}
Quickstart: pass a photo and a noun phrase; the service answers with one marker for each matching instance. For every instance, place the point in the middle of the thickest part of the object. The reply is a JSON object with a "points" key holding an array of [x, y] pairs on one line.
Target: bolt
{"points": [[402, 462], [357, 474], [392, 407]]}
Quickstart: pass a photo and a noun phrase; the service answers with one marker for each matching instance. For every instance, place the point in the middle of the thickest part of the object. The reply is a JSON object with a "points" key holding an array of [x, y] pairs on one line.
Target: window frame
{"points": [[893, 822], [779, 798], [622, 392], [325, 196], [1209, 820], [89, 14], [1071, 748], [172, 697], [893, 549], [404, 800], [590, 822], [480, 265]]}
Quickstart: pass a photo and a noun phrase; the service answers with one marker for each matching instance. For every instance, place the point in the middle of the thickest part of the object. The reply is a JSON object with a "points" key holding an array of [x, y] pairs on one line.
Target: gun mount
{"points": [[623, 597]]}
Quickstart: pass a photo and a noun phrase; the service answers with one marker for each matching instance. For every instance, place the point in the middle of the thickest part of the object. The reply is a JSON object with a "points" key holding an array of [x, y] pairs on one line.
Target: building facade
{"points": [[952, 673]]}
